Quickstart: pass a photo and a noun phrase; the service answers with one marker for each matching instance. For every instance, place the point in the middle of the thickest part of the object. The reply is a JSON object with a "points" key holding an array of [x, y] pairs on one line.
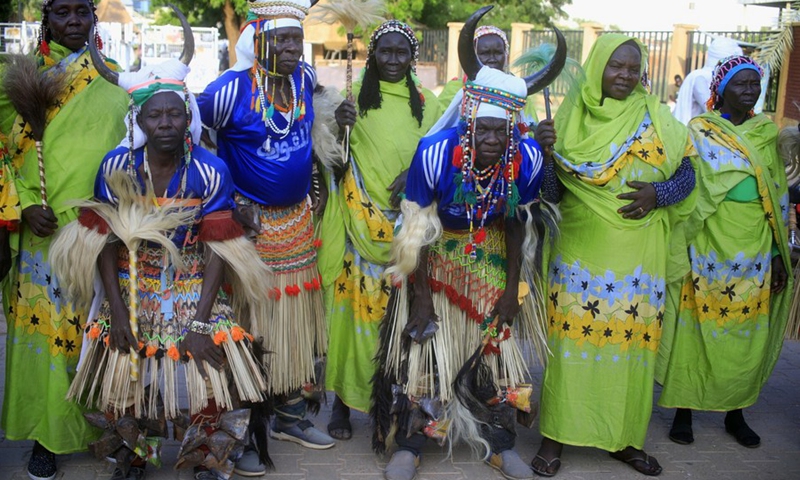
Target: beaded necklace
{"points": [[501, 191], [268, 109]]}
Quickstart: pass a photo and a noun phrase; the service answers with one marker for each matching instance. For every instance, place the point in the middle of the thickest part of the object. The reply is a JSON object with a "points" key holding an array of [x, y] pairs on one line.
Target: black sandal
{"points": [[340, 429], [339, 426], [544, 472], [646, 465]]}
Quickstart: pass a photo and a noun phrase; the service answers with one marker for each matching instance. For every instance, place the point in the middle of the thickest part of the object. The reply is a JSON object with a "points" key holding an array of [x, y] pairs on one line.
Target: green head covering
{"points": [[586, 128]]}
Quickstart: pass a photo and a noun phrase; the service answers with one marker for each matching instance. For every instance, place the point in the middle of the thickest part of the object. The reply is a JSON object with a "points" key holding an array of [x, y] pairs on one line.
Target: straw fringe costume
{"points": [[44, 328], [268, 149], [162, 246], [416, 389], [168, 290]]}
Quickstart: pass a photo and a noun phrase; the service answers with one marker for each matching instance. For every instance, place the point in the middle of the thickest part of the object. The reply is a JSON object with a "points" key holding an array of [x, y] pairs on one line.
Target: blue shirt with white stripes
{"points": [[432, 177], [207, 179], [267, 167]]}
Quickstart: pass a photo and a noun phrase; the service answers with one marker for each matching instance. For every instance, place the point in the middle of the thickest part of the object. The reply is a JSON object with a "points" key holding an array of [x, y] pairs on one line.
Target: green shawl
{"points": [[382, 144], [591, 146]]}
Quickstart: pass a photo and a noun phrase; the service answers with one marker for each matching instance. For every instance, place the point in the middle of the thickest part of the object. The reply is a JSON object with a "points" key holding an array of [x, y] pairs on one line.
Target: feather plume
{"points": [[537, 57], [136, 218], [73, 257], [351, 13], [325, 131], [249, 278], [31, 92]]}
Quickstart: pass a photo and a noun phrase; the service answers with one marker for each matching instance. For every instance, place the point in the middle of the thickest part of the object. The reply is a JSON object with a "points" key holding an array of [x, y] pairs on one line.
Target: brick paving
{"points": [[713, 456]]}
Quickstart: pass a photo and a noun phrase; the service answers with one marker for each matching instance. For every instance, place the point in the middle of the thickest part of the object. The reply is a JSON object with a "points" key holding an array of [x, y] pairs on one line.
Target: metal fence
{"points": [[433, 51], [658, 46], [697, 47], [18, 37], [574, 39]]}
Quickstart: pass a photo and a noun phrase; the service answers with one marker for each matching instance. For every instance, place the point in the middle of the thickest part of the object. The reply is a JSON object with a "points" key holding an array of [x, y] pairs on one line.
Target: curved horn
{"points": [[466, 47], [100, 63], [546, 75], [188, 37]]}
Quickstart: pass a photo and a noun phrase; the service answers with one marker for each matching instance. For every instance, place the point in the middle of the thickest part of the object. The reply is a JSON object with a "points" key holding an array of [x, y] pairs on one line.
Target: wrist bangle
{"points": [[201, 328]]}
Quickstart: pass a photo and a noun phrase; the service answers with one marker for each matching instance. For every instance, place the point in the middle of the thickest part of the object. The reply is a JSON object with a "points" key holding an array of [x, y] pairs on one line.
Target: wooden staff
{"points": [[133, 314], [42, 181]]}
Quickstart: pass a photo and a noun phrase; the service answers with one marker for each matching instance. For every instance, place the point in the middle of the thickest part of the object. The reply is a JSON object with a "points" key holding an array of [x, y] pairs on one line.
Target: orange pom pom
{"points": [[94, 332], [220, 337], [151, 351], [173, 353], [237, 333]]}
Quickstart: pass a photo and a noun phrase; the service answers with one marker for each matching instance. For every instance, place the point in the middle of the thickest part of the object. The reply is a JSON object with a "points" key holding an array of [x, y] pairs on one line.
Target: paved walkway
{"points": [[714, 455]]}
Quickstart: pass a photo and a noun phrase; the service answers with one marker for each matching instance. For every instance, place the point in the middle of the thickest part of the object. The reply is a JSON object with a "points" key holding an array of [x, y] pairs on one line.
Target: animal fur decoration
{"points": [[325, 131], [789, 150], [33, 94]]}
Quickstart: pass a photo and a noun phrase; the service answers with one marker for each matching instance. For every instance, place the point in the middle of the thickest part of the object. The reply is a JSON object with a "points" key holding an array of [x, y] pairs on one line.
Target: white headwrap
{"points": [[694, 91], [514, 86], [280, 13], [171, 69]]}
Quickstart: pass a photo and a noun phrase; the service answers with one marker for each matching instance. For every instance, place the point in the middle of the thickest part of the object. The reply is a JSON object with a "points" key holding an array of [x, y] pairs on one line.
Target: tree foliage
{"points": [[437, 13]]}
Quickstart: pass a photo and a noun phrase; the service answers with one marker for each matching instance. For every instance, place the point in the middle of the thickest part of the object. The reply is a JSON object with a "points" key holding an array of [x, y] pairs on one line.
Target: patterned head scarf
{"points": [[45, 36], [266, 15], [724, 71], [168, 76], [485, 30], [395, 26]]}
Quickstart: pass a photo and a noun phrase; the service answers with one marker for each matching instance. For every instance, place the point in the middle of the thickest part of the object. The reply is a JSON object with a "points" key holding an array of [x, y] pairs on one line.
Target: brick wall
{"points": [[793, 80]]}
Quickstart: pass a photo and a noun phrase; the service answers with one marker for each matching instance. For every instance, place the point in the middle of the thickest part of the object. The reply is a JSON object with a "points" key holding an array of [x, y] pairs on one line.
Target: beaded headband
{"points": [[485, 30], [280, 9], [42, 45], [725, 70], [395, 26], [494, 96]]}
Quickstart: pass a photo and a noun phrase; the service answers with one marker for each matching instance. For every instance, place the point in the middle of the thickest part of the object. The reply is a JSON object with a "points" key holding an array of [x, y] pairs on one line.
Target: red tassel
{"points": [[44, 48], [317, 242], [458, 157], [315, 284], [307, 285], [468, 249], [480, 236]]}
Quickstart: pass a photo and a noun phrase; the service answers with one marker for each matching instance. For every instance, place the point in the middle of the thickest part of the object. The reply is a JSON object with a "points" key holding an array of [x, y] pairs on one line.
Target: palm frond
{"points": [[771, 51], [351, 13]]}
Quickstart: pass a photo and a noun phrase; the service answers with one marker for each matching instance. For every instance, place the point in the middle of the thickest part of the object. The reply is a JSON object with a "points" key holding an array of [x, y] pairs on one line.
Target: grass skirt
{"points": [[167, 304], [295, 332]]}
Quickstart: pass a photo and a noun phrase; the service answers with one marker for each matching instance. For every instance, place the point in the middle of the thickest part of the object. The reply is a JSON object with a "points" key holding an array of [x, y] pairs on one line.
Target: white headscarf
{"points": [[486, 77], [694, 91], [171, 69], [281, 13]]}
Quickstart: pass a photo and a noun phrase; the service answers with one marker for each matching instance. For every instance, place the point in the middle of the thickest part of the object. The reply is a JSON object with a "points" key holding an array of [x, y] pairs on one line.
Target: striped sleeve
{"points": [[116, 160], [531, 171], [217, 102], [426, 171]]}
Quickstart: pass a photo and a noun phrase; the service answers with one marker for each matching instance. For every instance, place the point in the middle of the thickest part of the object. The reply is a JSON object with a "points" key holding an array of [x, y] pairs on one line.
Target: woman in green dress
{"points": [[730, 312], [622, 176], [44, 330], [394, 112]]}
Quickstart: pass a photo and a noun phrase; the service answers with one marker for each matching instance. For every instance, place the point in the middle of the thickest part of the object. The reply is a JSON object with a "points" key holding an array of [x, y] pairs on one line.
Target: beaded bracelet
{"points": [[201, 328]]}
